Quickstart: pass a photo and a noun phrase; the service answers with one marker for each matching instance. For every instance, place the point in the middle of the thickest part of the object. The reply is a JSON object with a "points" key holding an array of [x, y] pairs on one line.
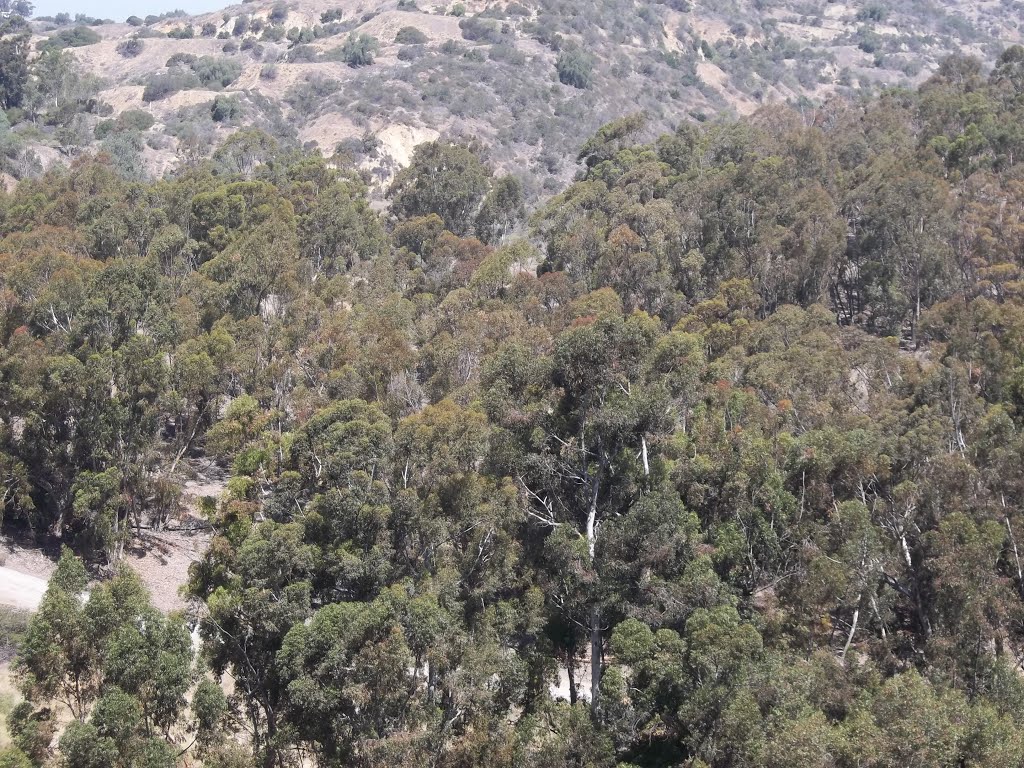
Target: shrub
{"points": [[268, 72], [301, 36], [135, 120], [575, 68], [230, 47], [125, 151], [358, 50], [335, 14], [873, 12], [869, 42], [163, 85], [508, 54], [180, 58], [130, 48], [225, 108], [410, 52], [183, 33], [410, 36], [278, 13], [480, 30], [302, 53], [273, 34], [308, 97], [216, 72], [209, 29], [104, 128], [241, 26], [458, 10], [134, 21], [76, 37], [254, 48]]}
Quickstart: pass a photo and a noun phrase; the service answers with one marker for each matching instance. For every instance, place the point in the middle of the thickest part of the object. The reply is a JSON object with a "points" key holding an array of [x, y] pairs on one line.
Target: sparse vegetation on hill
{"points": [[487, 72]]}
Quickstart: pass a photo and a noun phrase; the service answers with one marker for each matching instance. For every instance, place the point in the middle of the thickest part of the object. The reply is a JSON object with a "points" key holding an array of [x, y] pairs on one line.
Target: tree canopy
{"points": [[712, 460]]}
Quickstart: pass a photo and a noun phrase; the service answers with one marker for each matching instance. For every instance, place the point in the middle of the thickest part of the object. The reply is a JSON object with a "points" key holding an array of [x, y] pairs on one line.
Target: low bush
{"points": [[130, 48], [410, 36]]}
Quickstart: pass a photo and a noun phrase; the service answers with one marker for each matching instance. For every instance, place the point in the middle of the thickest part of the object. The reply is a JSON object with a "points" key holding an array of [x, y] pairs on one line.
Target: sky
{"points": [[119, 10]]}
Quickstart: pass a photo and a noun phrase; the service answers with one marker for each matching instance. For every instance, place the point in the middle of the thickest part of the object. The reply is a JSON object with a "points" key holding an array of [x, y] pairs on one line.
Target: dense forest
{"points": [[728, 435]]}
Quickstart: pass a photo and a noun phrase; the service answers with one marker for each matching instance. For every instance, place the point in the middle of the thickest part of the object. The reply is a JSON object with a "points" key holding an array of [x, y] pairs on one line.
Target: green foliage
{"points": [[278, 13], [721, 445], [120, 666], [12, 757], [130, 48], [186, 32], [872, 12], [358, 50], [162, 85], [125, 152], [75, 37], [410, 36], [447, 179], [213, 72], [216, 72], [480, 30], [136, 119], [15, 36], [225, 108], [575, 68]]}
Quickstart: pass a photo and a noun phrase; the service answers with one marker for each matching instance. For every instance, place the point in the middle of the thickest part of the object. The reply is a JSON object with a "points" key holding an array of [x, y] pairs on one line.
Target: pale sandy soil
{"points": [[384, 26], [719, 80], [160, 558], [20, 590]]}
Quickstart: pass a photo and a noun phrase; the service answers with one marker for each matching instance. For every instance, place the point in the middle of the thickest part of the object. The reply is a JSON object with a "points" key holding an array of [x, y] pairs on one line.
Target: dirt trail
{"points": [[160, 558], [20, 590]]}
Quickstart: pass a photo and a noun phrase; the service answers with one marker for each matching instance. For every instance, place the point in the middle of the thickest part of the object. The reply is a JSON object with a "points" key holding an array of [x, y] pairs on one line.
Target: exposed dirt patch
{"points": [[20, 590], [160, 558], [399, 141], [385, 26], [328, 130], [28, 558], [717, 79], [103, 59]]}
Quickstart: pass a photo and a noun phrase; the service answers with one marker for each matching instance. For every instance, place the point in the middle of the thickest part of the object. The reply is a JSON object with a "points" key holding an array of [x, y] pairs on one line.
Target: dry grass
{"points": [[9, 698]]}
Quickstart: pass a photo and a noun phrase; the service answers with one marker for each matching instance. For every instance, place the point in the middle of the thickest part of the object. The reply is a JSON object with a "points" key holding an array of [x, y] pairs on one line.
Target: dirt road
{"points": [[20, 589]]}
